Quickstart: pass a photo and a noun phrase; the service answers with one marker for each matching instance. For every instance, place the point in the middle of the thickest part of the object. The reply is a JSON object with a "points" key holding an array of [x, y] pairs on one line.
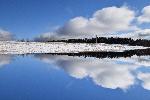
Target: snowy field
{"points": [[13, 47]]}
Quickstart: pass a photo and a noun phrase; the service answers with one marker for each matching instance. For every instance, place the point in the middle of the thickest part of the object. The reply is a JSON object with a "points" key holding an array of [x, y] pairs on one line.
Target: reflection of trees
{"points": [[127, 53]]}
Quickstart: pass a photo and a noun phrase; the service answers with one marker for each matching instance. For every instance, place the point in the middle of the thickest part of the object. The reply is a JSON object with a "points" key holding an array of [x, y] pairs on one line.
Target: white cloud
{"points": [[143, 34], [5, 35], [106, 22], [145, 78], [145, 17], [46, 36], [137, 34], [110, 19]]}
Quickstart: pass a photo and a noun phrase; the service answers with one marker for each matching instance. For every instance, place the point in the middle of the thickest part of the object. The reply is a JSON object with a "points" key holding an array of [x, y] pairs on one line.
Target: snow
{"points": [[13, 47]]}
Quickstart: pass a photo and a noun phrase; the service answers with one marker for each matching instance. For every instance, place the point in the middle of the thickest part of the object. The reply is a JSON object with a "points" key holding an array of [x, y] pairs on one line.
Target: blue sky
{"points": [[29, 18]]}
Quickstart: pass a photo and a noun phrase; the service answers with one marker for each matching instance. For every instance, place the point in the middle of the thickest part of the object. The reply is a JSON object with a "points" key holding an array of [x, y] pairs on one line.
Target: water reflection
{"points": [[5, 59], [105, 54], [113, 73], [108, 73]]}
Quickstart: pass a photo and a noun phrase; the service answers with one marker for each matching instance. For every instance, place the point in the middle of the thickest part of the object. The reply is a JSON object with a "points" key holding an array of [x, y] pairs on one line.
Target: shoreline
{"points": [[14, 47]]}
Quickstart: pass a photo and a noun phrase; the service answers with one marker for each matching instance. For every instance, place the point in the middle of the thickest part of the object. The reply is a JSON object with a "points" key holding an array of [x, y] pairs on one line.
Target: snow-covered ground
{"points": [[13, 47]]}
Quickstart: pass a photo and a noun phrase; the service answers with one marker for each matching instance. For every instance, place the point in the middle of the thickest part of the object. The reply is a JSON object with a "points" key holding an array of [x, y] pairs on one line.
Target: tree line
{"points": [[108, 40]]}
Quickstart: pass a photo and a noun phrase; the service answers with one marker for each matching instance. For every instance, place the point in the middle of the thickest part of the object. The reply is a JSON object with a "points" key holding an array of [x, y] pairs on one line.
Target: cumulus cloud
{"points": [[145, 78], [5, 35], [102, 22], [137, 34], [47, 37], [106, 22], [143, 34], [145, 17], [110, 19]]}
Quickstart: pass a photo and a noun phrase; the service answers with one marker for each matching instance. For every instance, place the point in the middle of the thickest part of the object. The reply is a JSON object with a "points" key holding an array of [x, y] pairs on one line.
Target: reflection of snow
{"points": [[12, 47], [108, 73]]}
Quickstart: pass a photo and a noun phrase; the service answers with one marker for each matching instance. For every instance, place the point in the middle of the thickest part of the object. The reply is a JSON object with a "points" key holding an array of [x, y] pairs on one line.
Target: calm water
{"points": [[47, 77]]}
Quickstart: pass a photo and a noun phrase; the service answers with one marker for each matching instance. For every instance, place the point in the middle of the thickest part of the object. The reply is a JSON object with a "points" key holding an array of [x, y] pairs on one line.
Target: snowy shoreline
{"points": [[13, 47]]}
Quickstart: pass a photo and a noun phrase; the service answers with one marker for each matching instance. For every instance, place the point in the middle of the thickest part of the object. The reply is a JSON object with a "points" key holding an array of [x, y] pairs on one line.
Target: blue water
{"points": [[73, 78]]}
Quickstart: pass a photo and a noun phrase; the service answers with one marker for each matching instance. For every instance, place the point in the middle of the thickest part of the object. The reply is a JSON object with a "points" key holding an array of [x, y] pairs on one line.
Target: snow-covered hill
{"points": [[13, 47]]}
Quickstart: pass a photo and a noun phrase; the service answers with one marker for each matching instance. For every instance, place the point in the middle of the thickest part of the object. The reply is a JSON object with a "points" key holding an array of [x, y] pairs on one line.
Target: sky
{"points": [[30, 18]]}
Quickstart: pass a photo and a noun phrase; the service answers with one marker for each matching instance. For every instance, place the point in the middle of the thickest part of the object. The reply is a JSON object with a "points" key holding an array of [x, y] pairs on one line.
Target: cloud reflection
{"points": [[145, 78], [5, 59], [113, 73], [108, 73]]}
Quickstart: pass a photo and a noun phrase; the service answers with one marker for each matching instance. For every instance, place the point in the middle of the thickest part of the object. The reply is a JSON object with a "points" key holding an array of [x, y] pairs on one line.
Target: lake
{"points": [[62, 77]]}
